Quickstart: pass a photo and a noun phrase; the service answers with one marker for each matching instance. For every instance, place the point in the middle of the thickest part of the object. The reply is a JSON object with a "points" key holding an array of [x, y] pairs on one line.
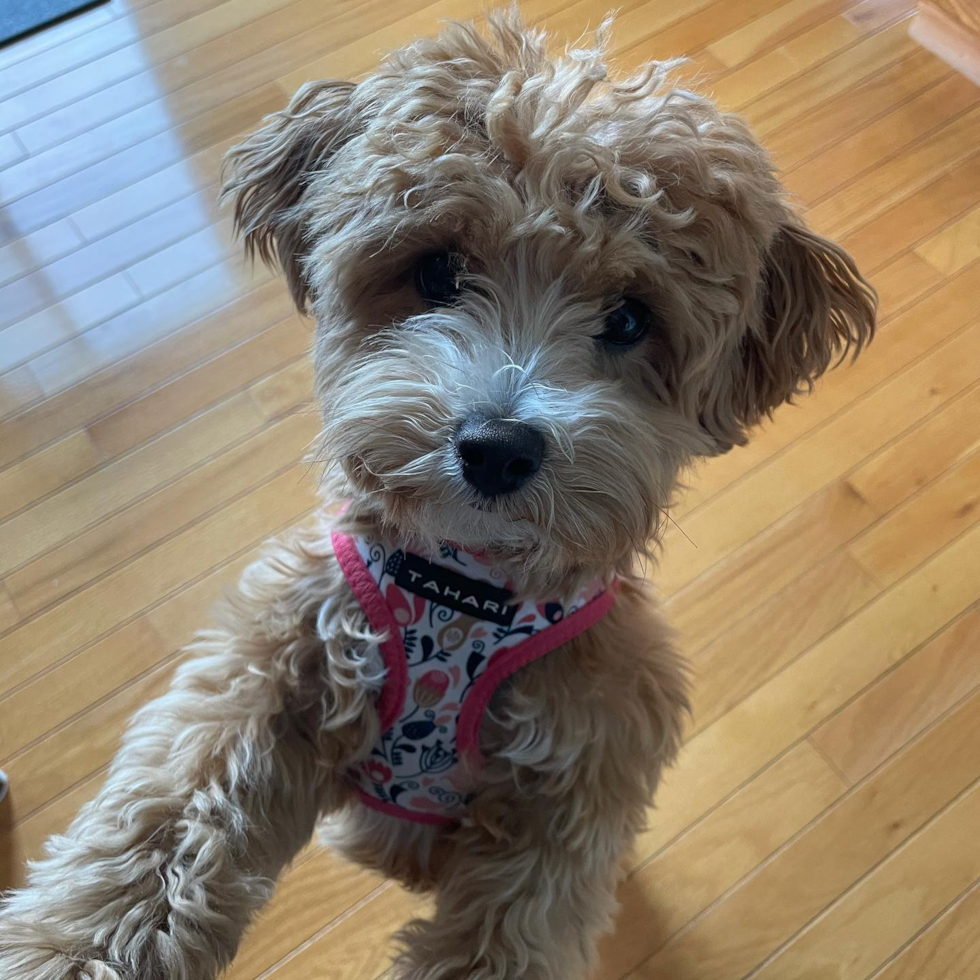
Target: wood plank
{"points": [[45, 472], [180, 239], [745, 85], [873, 919], [86, 556], [764, 566], [916, 217], [8, 611], [866, 101], [309, 896], [799, 544], [74, 100], [723, 756], [904, 280], [11, 150], [799, 883], [899, 343], [667, 892], [107, 489], [25, 255], [956, 246], [166, 226], [377, 38], [661, 31], [127, 378], [750, 647], [950, 947], [65, 279], [925, 523], [43, 641], [231, 371], [832, 77], [36, 292], [848, 158], [286, 390], [137, 328], [940, 441], [774, 633], [96, 41], [154, 465], [38, 709], [356, 945], [138, 159], [69, 317], [196, 174], [18, 388], [828, 453], [171, 265], [777, 27], [903, 703], [895, 180]]}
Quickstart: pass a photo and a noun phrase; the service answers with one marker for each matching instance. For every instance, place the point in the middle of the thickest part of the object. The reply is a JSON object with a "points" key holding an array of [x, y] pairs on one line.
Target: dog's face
{"points": [[539, 294]]}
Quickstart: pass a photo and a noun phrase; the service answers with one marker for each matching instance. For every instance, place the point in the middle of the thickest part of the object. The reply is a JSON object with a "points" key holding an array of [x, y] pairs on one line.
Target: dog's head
{"points": [[539, 293]]}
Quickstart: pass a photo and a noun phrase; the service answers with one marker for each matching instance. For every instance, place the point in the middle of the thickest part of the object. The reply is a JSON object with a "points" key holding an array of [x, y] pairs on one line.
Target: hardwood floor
{"points": [[155, 394]]}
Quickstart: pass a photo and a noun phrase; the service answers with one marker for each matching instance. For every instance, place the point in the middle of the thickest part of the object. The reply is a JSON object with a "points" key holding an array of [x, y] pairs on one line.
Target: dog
{"points": [[540, 295]]}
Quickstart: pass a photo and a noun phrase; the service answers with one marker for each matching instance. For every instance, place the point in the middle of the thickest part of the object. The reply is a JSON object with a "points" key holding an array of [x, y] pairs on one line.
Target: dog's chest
{"points": [[453, 635]]}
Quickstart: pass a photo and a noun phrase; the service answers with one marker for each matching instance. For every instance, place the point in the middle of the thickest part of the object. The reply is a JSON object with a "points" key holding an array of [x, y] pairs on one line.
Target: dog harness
{"points": [[452, 635]]}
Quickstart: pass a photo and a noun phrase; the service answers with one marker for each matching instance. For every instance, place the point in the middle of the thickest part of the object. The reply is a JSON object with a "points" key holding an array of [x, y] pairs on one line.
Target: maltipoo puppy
{"points": [[540, 294]]}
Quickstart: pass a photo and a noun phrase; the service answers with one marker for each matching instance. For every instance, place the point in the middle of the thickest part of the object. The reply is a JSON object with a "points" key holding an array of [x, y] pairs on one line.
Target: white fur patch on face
{"points": [[516, 346]]}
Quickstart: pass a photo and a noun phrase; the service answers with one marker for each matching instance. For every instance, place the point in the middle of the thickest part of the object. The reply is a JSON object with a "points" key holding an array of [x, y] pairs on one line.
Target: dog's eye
{"points": [[626, 325], [437, 277]]}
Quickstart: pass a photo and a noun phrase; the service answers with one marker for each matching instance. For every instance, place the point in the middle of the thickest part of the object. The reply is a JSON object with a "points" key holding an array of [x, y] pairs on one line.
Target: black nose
{"points": [[498, 455]]}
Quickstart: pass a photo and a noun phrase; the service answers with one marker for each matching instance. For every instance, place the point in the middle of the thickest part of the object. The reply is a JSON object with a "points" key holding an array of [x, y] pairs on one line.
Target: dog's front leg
{"points": [[532, 878], [218, 784], [519, 908]]}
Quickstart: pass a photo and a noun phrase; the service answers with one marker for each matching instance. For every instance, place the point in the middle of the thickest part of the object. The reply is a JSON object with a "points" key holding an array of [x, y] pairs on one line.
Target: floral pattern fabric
{"points": [[454, 623]]}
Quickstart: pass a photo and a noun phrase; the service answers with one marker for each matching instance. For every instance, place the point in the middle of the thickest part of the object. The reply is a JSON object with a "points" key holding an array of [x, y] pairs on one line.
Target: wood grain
{"points": [[949, 947], [904, 702]]}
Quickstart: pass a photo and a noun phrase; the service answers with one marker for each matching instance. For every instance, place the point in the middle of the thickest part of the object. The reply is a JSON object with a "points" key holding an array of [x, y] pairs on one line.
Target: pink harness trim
{"points": [[500, 665], [512, 660], [381, 620]]}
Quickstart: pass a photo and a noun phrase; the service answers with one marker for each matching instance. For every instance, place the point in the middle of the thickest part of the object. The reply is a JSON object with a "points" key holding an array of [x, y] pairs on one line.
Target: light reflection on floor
{"points": [[103, 207]]}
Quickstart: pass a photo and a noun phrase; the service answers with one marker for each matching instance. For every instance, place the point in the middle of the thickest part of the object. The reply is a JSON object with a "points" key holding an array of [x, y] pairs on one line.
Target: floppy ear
{"points": [[267, 175], [816, 307]]}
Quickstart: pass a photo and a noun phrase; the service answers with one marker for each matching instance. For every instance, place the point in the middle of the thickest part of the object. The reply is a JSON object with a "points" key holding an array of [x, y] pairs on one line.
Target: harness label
{"points": [[440, 585]]}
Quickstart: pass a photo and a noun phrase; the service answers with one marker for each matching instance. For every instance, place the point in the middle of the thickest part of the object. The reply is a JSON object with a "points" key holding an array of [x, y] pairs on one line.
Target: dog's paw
{"points": [[98, 971], [42, 964], [28, 952]]}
